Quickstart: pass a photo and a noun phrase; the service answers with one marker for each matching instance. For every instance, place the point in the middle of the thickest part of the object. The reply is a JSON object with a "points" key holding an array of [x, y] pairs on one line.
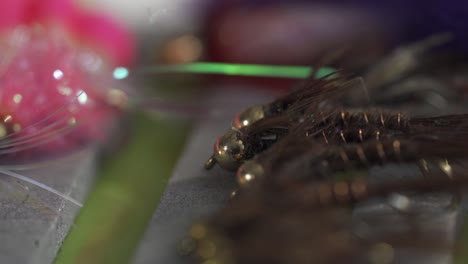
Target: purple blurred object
{"points": [[298, 31]]}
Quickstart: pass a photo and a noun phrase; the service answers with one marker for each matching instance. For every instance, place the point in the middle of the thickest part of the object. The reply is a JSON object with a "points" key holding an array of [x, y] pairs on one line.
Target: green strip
{"points": [[114, 218], [237, 69], [460, 255]]}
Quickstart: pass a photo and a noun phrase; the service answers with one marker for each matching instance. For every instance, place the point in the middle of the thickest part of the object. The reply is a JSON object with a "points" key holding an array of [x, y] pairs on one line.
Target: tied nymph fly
{"points": [[306, 161]]}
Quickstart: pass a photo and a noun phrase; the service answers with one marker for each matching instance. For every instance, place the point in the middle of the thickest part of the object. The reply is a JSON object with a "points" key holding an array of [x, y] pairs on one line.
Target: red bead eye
{"points": [[237, 122], [216, 145]]}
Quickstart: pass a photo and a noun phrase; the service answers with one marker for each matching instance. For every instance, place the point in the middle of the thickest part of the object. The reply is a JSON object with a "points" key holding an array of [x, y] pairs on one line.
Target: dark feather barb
{"points": [[312, 165], [380, 135]]}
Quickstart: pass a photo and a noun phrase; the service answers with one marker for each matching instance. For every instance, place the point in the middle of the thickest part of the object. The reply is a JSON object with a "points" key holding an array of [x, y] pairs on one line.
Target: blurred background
{"points": [[353, 34], [410, 54]]}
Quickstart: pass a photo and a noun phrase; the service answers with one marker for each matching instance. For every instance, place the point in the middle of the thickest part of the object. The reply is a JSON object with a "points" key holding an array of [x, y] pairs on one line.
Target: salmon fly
{"points": [[265, 124], [325, 102]]}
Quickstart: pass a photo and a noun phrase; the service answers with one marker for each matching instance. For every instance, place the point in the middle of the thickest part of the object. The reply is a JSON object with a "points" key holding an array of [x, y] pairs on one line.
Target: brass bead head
{"points": [[249, 116], [248, 172], [228, 151]]}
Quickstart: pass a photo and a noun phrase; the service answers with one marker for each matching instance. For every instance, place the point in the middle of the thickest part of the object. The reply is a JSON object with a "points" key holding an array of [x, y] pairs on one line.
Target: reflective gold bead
{"points": [[229, 150], [249, 116], [248, 172]]}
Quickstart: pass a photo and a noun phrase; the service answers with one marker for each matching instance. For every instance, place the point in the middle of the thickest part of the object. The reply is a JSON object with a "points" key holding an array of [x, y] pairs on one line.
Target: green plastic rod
{"points": [[235, 69], [130, 183]]}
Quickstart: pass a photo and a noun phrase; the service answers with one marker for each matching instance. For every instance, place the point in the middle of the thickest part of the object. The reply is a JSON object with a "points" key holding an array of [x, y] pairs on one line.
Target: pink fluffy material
{"points": [[87, 26], [56, 62]]}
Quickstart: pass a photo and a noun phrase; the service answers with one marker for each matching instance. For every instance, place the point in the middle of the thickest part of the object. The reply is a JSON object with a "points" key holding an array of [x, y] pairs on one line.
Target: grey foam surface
{"points": [[33, 222], [193, 192]]}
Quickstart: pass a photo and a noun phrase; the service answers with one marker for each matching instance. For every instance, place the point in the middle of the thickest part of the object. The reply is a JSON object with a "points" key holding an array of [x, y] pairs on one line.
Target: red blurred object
{"points": [[86, 26], [293, 34], [57, 91]]}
